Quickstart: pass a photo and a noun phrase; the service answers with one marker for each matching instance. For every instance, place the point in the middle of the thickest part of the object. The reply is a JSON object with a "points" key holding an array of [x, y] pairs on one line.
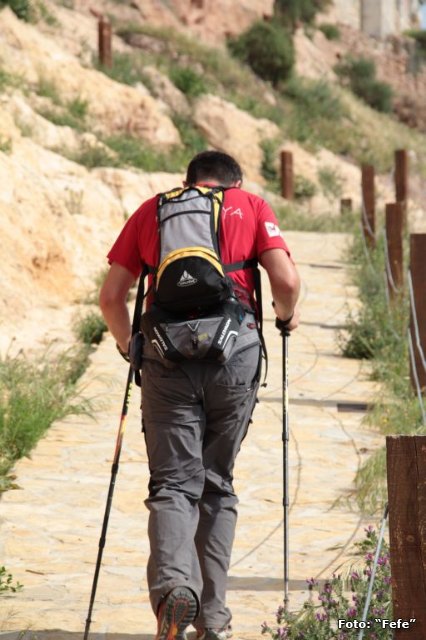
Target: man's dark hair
{"points": [[214, 165]]}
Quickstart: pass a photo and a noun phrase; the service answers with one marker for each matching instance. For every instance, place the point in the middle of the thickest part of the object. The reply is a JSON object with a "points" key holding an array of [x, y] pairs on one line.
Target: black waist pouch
{"points": [[210, 336]]}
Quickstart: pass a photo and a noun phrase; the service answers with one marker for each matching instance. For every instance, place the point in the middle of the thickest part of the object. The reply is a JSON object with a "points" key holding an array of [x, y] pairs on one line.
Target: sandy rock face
{"points": [[235, 132], [112, 107], [210, 20], [164, 89], [57, 223]]}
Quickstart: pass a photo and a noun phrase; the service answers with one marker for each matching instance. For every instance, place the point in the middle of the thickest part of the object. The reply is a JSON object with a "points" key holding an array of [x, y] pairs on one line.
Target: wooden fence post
{"points": [[287, 177], [406, 476], [368, 205], [394, 228], [401, 176], [418, 279], [104, 42]]}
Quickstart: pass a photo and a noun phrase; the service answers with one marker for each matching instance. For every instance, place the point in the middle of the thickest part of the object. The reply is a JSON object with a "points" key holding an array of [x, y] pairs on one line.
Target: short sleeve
{"points": [[125, 250], [268, 231]]}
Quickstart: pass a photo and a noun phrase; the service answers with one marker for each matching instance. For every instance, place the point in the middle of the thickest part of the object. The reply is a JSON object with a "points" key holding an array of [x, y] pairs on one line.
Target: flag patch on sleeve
{"points": [[272, 229]]}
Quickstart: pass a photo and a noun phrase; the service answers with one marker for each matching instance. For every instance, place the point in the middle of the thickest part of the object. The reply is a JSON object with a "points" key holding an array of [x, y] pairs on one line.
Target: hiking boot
{"points": [[214, 634], [175, 613]]}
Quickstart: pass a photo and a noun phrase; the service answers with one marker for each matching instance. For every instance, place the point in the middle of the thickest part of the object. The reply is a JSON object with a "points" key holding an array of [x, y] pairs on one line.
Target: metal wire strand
{"points": [[415, 322], [416, 377], [373, 572]]}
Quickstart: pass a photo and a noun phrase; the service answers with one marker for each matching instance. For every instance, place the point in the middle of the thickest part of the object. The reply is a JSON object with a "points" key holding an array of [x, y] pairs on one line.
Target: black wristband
{"points": [[123, 354], [283, 324]]}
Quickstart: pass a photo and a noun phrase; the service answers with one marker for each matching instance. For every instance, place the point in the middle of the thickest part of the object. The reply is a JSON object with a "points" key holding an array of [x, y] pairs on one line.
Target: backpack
{"points": [[195, 313]]}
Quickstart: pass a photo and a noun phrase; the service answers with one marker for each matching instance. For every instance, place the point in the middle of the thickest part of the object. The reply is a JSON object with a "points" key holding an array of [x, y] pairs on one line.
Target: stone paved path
{"points": [[50, 528]]}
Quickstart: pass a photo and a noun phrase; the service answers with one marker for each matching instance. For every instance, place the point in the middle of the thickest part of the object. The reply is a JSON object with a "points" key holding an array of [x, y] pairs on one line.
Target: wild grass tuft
{"points": [[32, 396], [298, 218], [90, 328], [7, 584]]}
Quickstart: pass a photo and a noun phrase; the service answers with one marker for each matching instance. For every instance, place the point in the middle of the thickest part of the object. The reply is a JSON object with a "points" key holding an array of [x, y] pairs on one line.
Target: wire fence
{"points": [[413, 347]]}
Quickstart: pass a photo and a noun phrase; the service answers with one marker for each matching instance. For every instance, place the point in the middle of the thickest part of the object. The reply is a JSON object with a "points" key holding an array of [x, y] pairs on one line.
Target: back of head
{"points": [[214, 166]]}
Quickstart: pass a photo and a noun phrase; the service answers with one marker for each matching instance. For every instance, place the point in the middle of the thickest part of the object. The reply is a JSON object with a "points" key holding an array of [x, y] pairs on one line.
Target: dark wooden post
{"points": [[418, 279], [345, 206], [368, 205], [406, 476], [401, 180], [401, 175], [394, 227], [104, 42], [287, 177]]}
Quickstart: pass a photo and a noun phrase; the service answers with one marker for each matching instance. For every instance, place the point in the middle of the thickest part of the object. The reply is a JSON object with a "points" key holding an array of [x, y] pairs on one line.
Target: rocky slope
{"points": [[57, 217]]}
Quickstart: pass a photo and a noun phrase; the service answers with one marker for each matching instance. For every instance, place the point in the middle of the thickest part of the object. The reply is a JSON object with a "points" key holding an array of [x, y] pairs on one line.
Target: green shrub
{"points": [[267, 48], [379, 95], [331, 31], [48, 89], [131, 151], [360, 75], [291, 12], [7, 80], [90, 328], [269, 163], [304, 188], [91, 156], [419, 35], [191, 137], [6, 145], [78, 108], [125, 68], [72, 114], [331, 183], [22, 8], [188, 81], [317, 98]]}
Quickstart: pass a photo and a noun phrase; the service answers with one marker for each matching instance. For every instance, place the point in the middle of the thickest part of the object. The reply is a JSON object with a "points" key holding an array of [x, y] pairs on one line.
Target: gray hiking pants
{"points": [[195, 416]]}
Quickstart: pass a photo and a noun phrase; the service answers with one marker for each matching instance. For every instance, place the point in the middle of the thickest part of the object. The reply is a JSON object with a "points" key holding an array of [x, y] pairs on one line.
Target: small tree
{"points": [[291, 12], [267, 48]]}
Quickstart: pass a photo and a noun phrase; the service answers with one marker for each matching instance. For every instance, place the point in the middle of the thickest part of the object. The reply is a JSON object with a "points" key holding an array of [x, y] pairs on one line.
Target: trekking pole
{"points": [[373, 572], [114, 471], [119, 441], [285, 437]]}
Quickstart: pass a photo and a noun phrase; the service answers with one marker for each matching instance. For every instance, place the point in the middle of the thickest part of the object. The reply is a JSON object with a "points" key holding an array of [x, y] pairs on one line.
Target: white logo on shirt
{"points": [[272, 229], [228, 211]]}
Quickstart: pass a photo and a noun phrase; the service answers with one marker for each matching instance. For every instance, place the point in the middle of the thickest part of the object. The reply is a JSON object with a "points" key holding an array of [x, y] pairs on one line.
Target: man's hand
{"points": [[288, 323], [112, 301]]}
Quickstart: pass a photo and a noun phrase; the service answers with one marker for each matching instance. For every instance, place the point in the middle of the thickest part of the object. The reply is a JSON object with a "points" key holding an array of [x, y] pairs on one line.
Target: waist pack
{"points": [[195, 313], [210, 336]]}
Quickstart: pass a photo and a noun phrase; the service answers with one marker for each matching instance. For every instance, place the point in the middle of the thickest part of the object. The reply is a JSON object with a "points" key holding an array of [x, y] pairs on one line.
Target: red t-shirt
{"points": [[248, 228]]}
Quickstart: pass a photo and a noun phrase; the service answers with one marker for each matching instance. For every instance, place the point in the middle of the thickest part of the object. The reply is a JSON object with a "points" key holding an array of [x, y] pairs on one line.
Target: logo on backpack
{"points": [[186, 280]]}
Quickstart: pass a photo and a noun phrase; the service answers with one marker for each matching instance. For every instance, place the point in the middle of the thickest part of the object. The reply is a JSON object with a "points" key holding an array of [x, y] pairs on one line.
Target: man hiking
{"points": [[195, 410]]}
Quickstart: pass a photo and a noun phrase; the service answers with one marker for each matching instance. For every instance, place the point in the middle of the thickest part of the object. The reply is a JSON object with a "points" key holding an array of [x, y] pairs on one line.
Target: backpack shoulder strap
{"points": [[137, 314]]}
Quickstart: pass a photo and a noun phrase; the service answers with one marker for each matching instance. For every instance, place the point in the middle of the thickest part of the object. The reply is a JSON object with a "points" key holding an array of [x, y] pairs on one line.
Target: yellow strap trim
{"points": [[217, 199], [202, 252]]}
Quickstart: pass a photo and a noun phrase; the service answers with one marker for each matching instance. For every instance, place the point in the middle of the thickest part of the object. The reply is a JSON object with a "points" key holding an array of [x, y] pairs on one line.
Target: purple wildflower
{"points": [[321, 616]]}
